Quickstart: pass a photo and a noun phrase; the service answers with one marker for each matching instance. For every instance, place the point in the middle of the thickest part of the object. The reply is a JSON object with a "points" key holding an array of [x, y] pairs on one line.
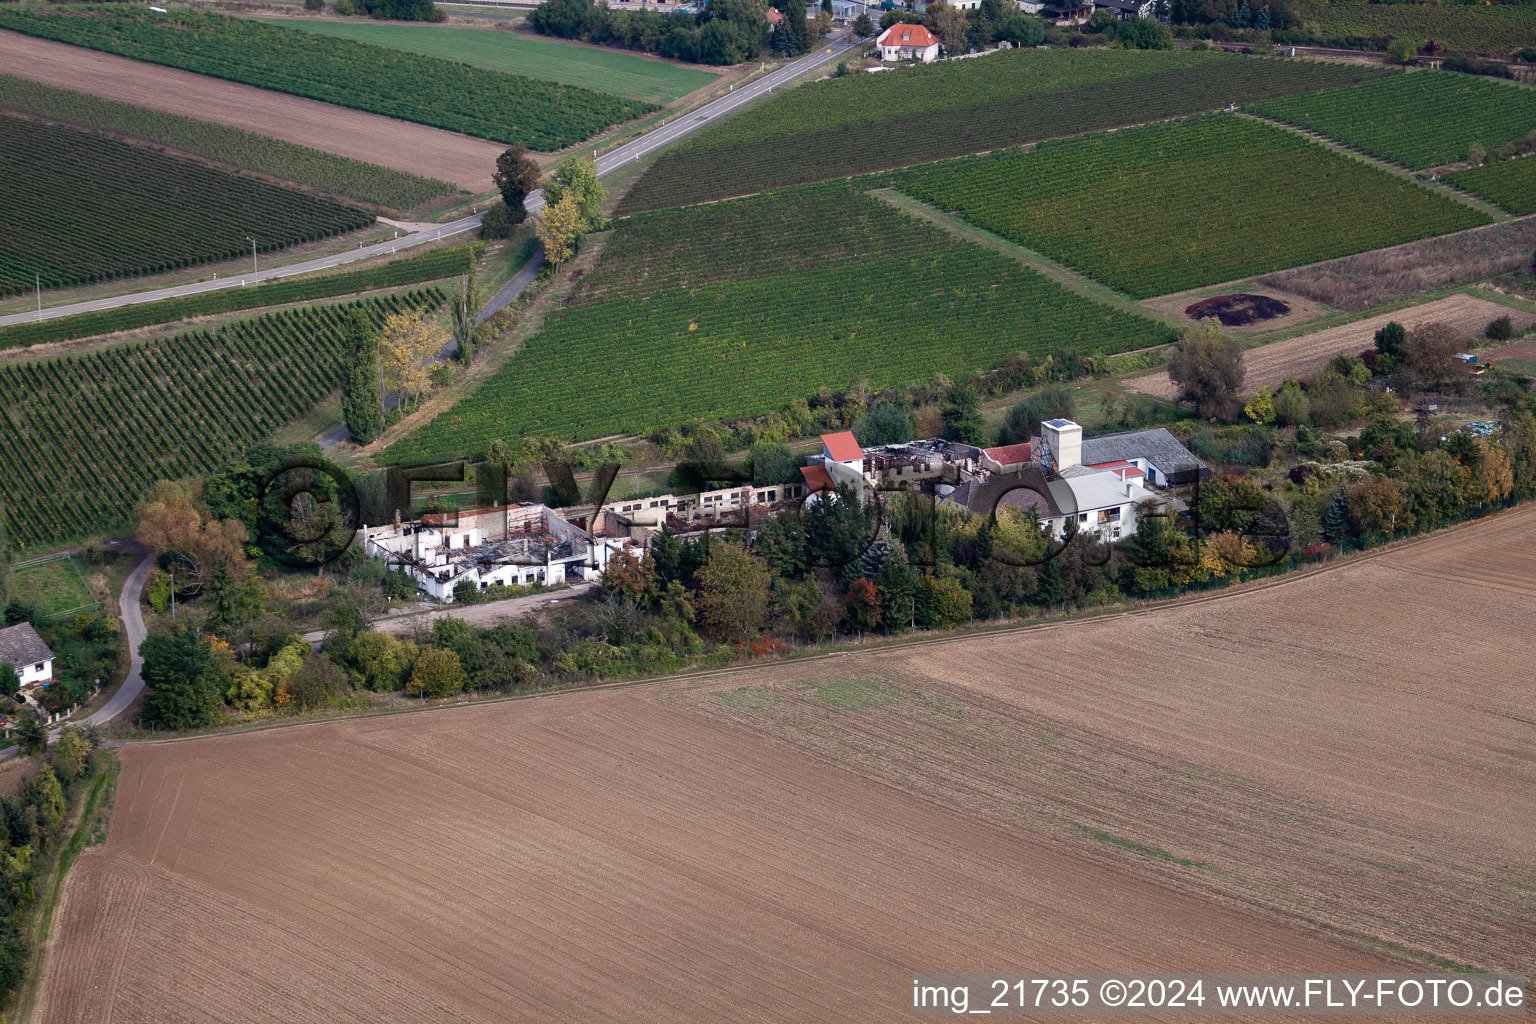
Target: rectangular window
{"points": [[38, 667]]}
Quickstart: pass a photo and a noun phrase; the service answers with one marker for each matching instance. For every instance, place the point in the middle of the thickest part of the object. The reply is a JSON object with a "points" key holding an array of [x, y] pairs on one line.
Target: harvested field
{"points": [[1524, 350], [1305, 354], [385, 141], [1386, 275], [790, 842]]}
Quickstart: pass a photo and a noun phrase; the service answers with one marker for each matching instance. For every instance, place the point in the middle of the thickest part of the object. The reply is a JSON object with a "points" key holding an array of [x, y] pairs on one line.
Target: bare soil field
{"points": [[385, 141], [1305, 354], [1333, 773]]}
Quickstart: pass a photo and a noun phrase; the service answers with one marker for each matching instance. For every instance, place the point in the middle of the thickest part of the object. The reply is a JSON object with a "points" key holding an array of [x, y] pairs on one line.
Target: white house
{"points": [[518, 545], [22, 649], [908, 42]]}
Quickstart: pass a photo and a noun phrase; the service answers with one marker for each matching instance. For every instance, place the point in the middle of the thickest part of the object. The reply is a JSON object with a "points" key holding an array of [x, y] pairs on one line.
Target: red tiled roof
{"points": [[1011, 454], [774, 17], [816, 478], [902, 34], [842, 446]]}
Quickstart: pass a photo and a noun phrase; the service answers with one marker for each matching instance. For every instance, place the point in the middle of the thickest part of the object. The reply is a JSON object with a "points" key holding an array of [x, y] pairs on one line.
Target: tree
{"points": [[71, 755], [438, 673], [862, 26], [383, 661], [632, 579], [409, 343], [516, 175], [235, 597], [1377, 507], [773, 463], [1054, 401], [961, 410], [10, 680], [780, 544], [897, 585], [317, 683], [940, 602], [577, 177], [362, 403], [1389, 347], [183, 680], [1429, 354], [560, 229], [1401, 51], [174, 521], [951, 25], [31, 733], [464, 306], [1292, 407], [1261, 408], [884, 424], [862, 604], [734, 589], [1500, 329], [1208, 369]]}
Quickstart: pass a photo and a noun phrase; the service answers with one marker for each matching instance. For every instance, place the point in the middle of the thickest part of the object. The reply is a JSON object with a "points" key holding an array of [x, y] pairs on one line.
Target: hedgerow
{"points": [[864, 123], [1174, 205], [83, 438], [431, 266], [336, 175], [735, 309], [78, 207], [442, 93], [1420, 120], [1510, 183]]}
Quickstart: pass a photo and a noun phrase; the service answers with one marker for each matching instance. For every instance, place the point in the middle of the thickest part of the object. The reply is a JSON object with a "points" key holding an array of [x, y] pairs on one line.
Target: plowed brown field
{"points": [[1332, 773], [1305, 354], [385, 141]]}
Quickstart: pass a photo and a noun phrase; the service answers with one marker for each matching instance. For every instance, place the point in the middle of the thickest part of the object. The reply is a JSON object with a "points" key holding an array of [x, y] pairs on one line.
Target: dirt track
{"points": [[1305, 354], [1200, 786], [401, 145]]}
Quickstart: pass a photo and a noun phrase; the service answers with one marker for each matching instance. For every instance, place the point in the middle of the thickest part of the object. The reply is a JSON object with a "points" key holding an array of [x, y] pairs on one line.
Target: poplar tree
{"points": [[362, 397]]}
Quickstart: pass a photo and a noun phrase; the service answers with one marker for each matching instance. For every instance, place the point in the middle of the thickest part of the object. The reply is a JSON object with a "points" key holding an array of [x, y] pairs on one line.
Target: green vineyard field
{"points": [[1175, 205], [1485, 29], [867, 123], [1510, 183], [428, 90], [335, 175], [430, 266], [78, 207], [82, 439], [1422, 119], [736, 308]]}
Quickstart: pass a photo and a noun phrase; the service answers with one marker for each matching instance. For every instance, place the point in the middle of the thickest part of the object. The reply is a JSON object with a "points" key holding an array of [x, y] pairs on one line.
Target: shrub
{"points": [[499, 221], [345, 8], [1501, 329], [314, 5], [1401, 51], [438, 673]]}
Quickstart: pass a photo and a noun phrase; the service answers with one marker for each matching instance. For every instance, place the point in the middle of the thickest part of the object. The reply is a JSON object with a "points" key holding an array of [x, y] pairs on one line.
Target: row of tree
{"points": [[722, 32]]}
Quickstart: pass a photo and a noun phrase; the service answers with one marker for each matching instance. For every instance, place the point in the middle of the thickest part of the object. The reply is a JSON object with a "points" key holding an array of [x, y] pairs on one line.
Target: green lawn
{"points": [[609, 71], [55, 587]]}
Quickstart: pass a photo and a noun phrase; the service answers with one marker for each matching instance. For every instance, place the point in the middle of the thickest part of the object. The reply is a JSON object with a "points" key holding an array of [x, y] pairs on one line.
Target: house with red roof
{"points": [[908, 42]]}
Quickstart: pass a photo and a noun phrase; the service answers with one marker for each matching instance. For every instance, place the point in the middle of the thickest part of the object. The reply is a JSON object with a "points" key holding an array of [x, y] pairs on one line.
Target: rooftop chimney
{"points": [[1063, 442]]}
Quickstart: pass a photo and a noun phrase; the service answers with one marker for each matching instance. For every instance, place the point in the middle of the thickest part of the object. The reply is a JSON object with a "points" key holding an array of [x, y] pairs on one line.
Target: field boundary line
{"points": [[1064, 275], [959, 636], [1483, 206]]}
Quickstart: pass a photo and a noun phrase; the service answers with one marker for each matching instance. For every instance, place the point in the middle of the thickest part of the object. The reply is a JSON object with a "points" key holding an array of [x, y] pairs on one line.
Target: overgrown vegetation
{"points": [[86, 436], [441, 93], [1386, 275], [80, 207], [726, 32], [334, 175], [1221, 197], [864, 123], [735, 309], [36, 818]]}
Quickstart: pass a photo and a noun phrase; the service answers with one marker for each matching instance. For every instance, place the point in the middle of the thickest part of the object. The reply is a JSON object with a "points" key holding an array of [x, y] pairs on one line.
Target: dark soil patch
{"points": [[1238, 310]]}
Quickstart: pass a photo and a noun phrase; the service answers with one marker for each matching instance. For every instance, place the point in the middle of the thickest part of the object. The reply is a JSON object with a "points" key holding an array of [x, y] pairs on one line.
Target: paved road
{"points": [[133, 631], [606, 164], [513, 288]]}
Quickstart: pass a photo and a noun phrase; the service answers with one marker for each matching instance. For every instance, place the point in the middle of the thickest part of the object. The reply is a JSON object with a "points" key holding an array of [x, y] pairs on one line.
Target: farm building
{"points": [[1157, 453], [908, 42], [517, 545], [22, 649], [1125, 10]]}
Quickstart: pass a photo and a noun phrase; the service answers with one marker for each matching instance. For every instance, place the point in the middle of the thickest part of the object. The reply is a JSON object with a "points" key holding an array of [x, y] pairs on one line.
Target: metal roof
{"points": [[1157, 446]]}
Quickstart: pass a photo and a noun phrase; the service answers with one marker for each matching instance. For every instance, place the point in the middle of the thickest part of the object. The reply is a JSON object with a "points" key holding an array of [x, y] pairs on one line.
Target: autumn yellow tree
{"points": [[175, 520], [559, 229], [408, 343]]}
